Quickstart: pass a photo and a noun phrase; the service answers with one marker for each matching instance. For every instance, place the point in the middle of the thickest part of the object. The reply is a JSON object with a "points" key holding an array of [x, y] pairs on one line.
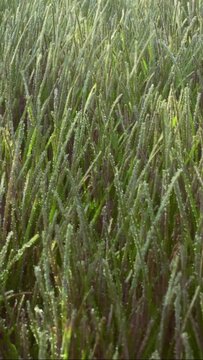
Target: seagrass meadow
{"points": [[101, 179]]}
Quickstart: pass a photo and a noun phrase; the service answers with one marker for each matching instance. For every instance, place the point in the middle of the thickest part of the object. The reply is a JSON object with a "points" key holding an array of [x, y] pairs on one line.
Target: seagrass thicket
{"points": [[101, 179]]}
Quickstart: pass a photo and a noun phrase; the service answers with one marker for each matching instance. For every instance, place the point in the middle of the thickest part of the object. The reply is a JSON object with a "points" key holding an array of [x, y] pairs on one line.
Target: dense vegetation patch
{"points": [[101, 188]]}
